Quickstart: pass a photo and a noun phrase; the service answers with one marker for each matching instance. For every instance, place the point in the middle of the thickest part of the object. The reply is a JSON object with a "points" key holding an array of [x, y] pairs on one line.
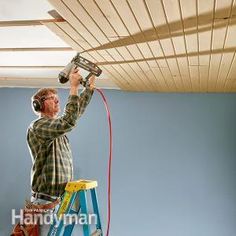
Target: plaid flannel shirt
{"points": [[49, 147]]}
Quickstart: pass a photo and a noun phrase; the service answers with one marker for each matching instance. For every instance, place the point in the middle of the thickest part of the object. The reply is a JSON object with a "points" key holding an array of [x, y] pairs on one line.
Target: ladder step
{"points": [[76, 197], [98, 232]]}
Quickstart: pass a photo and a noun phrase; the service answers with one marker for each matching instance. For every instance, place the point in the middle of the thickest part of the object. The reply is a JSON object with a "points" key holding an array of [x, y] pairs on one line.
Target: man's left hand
{"points": [[92, 82]]}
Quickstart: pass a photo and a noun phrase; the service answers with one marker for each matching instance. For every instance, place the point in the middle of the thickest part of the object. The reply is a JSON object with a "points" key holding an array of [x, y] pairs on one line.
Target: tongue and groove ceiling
{"points": [[141, 45]]}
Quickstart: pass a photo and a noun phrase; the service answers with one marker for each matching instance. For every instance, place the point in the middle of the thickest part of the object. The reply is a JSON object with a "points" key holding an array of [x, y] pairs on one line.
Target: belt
{"points": [[44, 197], [29, 206]]}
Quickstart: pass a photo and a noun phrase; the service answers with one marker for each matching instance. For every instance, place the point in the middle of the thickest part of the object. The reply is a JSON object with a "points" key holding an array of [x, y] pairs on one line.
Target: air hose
{"points": [[109, 161]]}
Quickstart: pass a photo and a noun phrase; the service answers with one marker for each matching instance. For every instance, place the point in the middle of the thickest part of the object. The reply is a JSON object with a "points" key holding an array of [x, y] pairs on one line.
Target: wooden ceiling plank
{"points": [[166, 74], [145, 50], [72, 19], [156, 48], [189, 22], [155, 8], [97, 56], [174, 24], [104, 54], [231, 76], [204, 66], [226, 63], [168, 78], [61, 34], [113, 18], [121, 69], [213, 71], [222, 40], [90, 25], [141, 74], [132, 48], [115, 77], [74, 34], [94, 56], [203, 77], [64, 34], [204, 39], [157, 14], [228, 85], [59, 31], [127, 17], [164, 68], [167, 47], [132, 81], [149, 73], [218, 38], [175, 73], [173, 67], [102, 29], [194, 72], [162, 85], [125, 73], [186, 14], [115, 54], [125, 53], [230, 37], [93, 20], [219, 33], [172, 14], [185, 73], [151, 40], [118, 26], [157, 18], [135, 51], [131, 23], [94, 10], [192, 46], [179, 45], [135, 76], [119, 78], [135, 80]]}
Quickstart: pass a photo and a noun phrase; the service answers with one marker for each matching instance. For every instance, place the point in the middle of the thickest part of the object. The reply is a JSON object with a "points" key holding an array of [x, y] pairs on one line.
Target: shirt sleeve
{"points": [[49, 128], [84, 99]]}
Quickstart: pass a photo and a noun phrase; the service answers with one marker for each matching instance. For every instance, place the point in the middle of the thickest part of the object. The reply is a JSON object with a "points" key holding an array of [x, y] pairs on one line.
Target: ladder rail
{"points": [[76, 194]]}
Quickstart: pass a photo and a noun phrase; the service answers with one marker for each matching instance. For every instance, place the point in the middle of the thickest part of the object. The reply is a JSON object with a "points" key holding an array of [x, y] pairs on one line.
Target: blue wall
{"points": [[174, 166]]}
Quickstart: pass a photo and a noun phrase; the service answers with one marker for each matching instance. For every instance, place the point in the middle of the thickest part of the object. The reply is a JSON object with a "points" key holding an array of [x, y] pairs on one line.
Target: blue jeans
{"points": [[43, 228]]}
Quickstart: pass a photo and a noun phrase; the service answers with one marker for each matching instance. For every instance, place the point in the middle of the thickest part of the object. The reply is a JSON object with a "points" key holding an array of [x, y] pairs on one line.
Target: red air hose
{"points": [[109, 161]]}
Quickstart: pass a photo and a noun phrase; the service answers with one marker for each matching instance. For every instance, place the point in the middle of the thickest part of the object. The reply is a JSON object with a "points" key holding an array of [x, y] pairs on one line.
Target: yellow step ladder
{"points": [[74, 203]]}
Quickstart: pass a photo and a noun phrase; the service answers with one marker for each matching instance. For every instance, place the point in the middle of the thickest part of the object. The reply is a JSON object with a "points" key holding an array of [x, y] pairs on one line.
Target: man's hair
{"points": [[40, 95]]}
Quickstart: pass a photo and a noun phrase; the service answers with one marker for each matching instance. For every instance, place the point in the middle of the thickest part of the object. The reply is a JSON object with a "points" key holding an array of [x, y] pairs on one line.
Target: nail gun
{"points": [[79, 61]]}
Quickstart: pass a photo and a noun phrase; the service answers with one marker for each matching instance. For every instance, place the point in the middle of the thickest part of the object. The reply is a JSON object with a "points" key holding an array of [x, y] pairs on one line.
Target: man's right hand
{"points": [[75, 79]]}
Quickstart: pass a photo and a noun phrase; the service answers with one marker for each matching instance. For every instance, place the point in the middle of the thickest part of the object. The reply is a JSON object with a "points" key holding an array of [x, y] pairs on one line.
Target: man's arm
{"points": [[86, 95], [52, 128]]}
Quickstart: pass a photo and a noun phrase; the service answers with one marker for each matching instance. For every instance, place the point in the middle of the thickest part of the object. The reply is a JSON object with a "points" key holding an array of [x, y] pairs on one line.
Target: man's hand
{"points": [[92, 82], [75, 79]]}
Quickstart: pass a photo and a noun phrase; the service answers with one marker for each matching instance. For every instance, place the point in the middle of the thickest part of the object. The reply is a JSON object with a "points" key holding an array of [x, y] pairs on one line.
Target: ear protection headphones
{"points": [[38, 104]]}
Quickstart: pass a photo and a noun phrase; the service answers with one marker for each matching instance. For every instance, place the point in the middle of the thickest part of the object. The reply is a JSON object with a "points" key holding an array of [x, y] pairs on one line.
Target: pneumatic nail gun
{"points": [[79, 61]]}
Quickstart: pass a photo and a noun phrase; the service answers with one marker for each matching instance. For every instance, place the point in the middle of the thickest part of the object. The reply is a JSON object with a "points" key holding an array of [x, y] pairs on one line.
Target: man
{"points": [[48, 144]]}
